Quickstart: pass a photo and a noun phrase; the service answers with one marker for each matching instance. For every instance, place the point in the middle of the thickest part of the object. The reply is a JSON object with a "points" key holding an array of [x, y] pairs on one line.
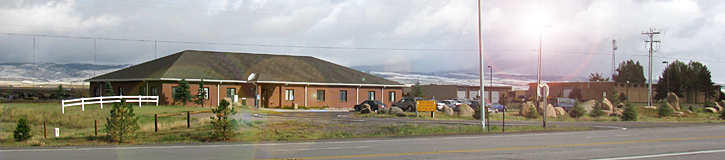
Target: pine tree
{"points": [[122, 121], [182, 93], [596, 111], [577, 111], [532, 114], [629, 113], [417, 91], [108, 89], [22, 131], [665, 111], [224, 127], [60, 93], [202, 94]]}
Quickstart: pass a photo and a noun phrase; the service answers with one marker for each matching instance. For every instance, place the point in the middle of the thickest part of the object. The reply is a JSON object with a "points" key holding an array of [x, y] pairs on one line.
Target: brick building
{"points": [[282, 80]]}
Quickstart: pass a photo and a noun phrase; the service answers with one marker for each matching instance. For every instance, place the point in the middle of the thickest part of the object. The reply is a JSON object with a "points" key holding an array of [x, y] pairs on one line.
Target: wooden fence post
{"points": [[95, 125], [156, 123], [45, 133], [188, 120]]}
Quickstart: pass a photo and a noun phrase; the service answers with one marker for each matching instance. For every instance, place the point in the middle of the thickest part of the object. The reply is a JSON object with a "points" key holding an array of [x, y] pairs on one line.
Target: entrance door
{"points": [[264, 100]]}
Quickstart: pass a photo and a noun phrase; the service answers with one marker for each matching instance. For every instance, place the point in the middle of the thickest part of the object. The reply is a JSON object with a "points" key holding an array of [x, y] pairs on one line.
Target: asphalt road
{"points": [[655, 141]]}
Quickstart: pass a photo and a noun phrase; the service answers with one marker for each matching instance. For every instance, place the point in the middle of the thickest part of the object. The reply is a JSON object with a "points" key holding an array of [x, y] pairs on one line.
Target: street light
{"points": [[627, 91], [538, 74], [668, 76]]}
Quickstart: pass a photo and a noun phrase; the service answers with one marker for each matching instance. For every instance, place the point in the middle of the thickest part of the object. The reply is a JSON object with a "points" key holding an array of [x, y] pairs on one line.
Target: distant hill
{"points": [[52, 72]]}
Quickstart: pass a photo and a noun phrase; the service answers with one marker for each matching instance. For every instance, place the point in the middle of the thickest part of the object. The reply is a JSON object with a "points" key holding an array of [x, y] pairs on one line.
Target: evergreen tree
{"points": [[629, 113], [532, 114], [577, 111], [108, 89], [665, 111], [22, 131], [596, 111], [417, 91], [122, 121], [202, 94], [224, 127], [182, 93], [576, 94], [722, 115], [596, 77], [60, 92], [629, 71]]}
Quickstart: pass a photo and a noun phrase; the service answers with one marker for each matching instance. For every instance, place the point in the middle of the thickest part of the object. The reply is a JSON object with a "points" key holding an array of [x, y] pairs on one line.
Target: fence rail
{"points": [[110, 99]]}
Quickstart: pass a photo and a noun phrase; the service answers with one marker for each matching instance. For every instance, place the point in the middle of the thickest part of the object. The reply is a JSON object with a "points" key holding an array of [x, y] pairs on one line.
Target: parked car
{"points": [[566, 103], [439, 105], [452, 103], [495, 107], [374, 105], [407, 103]]}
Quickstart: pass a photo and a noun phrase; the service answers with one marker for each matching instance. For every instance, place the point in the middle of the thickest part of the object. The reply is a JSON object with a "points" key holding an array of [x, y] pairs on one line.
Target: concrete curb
{"points": [[303, 110]]}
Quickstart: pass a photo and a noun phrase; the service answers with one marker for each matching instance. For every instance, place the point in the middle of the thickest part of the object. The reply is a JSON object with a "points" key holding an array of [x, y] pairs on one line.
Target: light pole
{"points": [[668, 76], [538, 74], [627, 91], [480, 63]]}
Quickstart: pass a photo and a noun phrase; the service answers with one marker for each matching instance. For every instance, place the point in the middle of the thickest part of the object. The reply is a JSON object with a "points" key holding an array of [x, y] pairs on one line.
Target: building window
{"points": [[173, 91], [289, 94], [153, 91], [391, 96], [231, 92], [120, 91], [371, 95], [142, 91], [97, 92], [206, 93], [343, 96], [320, 95]]}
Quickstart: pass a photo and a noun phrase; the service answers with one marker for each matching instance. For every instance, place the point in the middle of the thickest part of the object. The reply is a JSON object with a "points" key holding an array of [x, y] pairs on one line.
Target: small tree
{"points": [[224, 127], [577, 111], [122, 121], [108, 89], [665, 111], [596, 111], [202, 94], [575, 93], [417, 91], [629, 113], [532, 114], [22, 131], [60, 92], [182, 93]]}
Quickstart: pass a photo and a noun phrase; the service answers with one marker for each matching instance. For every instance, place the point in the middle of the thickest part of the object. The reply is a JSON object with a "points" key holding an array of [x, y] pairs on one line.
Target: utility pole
{"points": [[480, 62], [651, 50], [614, 48]]}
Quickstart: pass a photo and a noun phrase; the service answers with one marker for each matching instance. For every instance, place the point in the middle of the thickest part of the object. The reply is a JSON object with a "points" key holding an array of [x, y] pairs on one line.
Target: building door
{"points": [[264, 100], [461, 94], [494, 96]]}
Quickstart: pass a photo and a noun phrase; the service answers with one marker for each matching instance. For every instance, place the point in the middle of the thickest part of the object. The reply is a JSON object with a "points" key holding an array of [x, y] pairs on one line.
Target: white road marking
{"points": [[328, 148], [665, 155]]}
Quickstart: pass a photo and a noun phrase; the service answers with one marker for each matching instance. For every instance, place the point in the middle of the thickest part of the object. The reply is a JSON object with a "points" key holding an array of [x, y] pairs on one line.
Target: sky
{"points": [[388, 35]]}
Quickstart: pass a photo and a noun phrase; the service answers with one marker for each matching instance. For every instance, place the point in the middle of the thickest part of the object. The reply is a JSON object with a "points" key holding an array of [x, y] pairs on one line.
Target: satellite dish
{"points": [[253, 77]]}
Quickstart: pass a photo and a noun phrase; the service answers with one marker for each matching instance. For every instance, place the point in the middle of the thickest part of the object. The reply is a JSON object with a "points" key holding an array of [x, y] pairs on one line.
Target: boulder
{"points": [[550, 111], [620, 105], [679, 113], [589, 105], [710, 110], [525, 108], [230, 102], [650, 107], [365, 109], [607, 105], [236, 104], [617, 112], [688, 111], [721, 103], [673, 100], [718, 107], [396, 111], [559, 111], [465, 110], [448, 110], [383, 110]]}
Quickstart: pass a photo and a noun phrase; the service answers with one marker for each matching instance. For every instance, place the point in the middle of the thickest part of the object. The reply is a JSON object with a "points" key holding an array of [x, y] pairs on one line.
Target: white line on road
{"points": [[665, 155], [327, 148]]}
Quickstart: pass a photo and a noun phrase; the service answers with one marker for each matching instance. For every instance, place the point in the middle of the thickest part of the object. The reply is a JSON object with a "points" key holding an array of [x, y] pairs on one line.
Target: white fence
{"points": [[110, 99]]}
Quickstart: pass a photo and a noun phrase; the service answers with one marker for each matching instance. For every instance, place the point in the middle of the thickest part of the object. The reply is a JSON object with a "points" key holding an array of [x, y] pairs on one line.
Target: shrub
{"points": [[122, 121], [629, 113], [722, 115], [224, 127], [691, 109], [22, 131], [665, 111], [532, 113], [596, 111], [578, 111]]}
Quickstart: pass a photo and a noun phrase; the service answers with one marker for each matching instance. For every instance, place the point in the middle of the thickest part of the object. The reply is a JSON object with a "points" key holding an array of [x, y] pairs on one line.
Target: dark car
{"points": [[566, 103], [407, 103], [374, 105]]}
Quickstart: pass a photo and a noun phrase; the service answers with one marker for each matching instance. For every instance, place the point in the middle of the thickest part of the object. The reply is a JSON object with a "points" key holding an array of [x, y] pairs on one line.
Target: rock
{"points": [[679, 113], [448, 110], [237, 104], [589, 105], [295, 106], [559, 111], [525, 108], [365, 109], [710, 110], [465, 110], [673, 100], [620, 105], [230, 102], [396, 111], [607, 105], [718, 107], [650, 107], [383, 110], [617, 112], [688, 111], [550, 111]]}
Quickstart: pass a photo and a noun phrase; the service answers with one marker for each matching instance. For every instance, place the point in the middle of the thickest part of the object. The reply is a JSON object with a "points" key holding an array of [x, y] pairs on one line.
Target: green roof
{"points": [[211, 65]]}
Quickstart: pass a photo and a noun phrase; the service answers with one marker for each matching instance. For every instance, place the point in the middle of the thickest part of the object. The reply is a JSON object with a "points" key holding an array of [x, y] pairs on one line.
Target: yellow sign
{"points": [[426, 106]]}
